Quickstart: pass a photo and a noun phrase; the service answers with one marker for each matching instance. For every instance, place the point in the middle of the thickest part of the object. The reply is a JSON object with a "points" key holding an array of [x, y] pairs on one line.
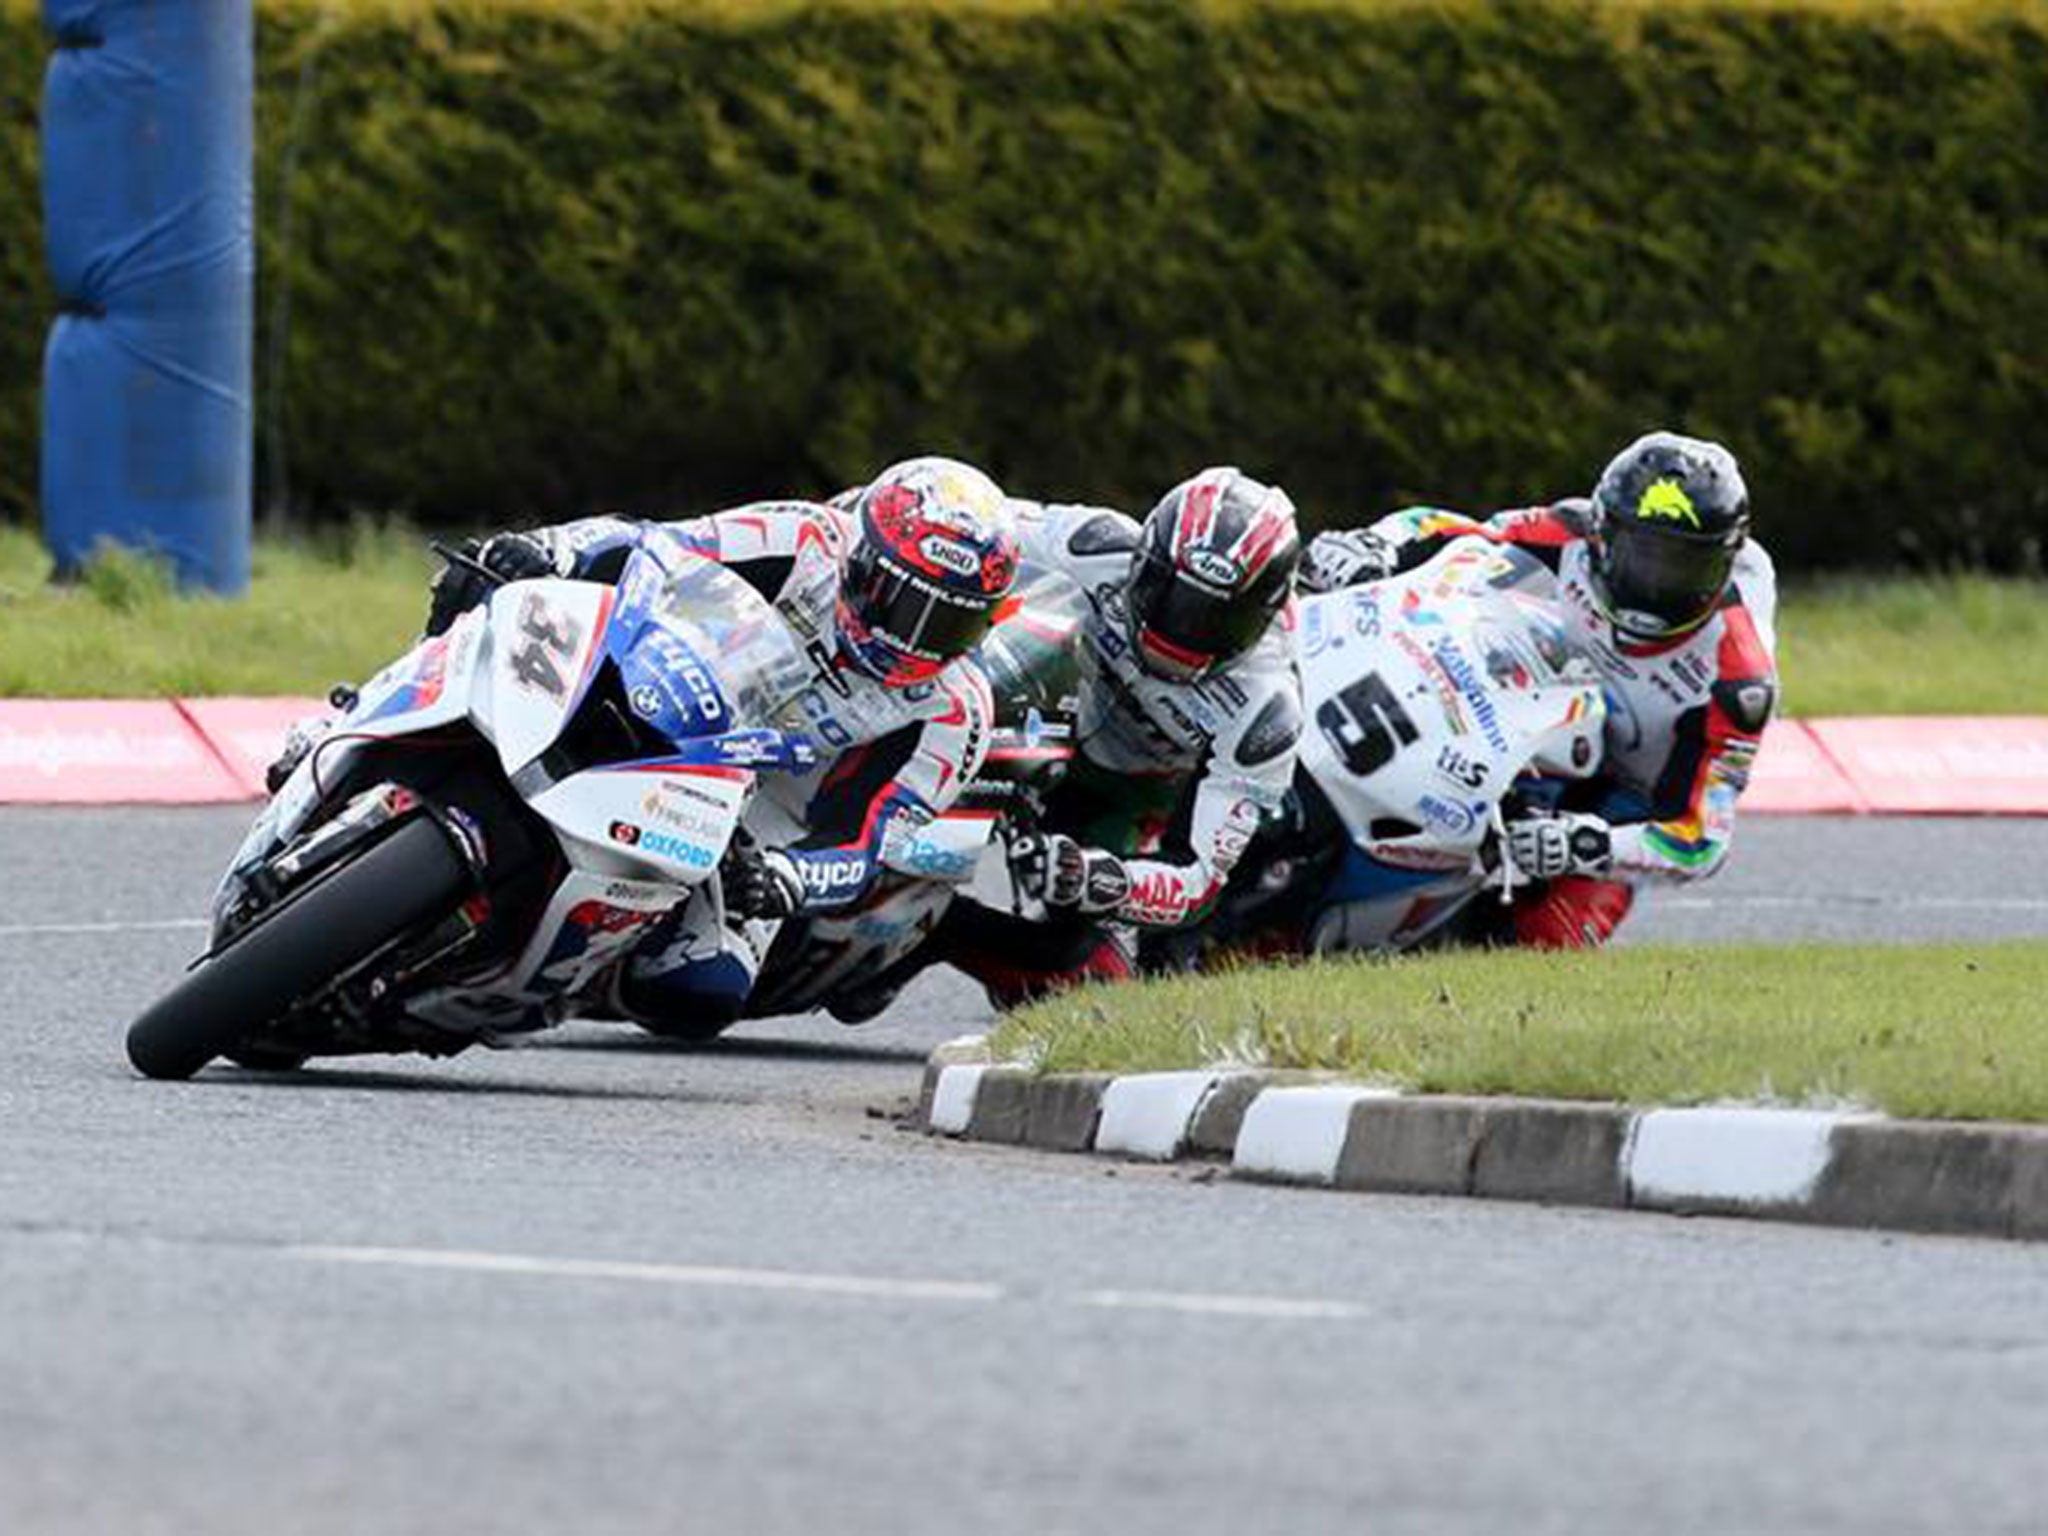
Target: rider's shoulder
{"points": [[1750, 613], [1074, 530], [1745, 670], [1756, 576], [961, 689], [1273, 728], [1549, 526], [784, 525], [1263, 689]]}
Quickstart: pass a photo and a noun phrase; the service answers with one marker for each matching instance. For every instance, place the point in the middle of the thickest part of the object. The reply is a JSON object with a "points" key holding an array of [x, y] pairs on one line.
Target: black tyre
{"points": [[408, 879]]}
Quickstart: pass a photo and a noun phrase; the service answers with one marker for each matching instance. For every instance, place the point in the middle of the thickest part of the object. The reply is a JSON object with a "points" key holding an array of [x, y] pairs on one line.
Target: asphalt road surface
{"points": [[612, 1286]]}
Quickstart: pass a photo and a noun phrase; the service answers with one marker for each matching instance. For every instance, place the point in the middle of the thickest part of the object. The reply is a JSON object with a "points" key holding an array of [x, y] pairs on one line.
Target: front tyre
{"points": [[409, 879]]}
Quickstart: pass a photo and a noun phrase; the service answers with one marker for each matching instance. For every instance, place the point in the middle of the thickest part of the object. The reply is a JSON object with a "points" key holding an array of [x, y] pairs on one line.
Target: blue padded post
{"points": [[147, 203]]}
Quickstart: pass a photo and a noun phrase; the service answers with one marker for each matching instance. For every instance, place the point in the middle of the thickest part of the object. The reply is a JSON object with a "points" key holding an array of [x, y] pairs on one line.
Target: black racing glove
{"points": [[490, 563], [1061, 873], [1334, 560], [762, 882]]}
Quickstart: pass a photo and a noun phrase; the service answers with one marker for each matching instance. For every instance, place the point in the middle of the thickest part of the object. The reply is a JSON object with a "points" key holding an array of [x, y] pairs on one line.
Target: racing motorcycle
{"points": [[1440, 702], [494, 819], [834, 960]]}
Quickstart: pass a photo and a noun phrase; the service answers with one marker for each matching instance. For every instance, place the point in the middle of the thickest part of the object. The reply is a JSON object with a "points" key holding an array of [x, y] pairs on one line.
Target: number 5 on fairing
{"points": [[1366, 725]]}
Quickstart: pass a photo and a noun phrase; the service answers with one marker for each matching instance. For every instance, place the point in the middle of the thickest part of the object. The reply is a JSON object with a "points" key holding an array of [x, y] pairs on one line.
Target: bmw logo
{"points": [[647, 700]]}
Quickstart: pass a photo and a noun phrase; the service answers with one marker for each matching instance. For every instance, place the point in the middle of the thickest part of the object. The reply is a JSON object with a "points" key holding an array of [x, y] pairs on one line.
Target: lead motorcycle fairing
{"points": [[583, 754]]}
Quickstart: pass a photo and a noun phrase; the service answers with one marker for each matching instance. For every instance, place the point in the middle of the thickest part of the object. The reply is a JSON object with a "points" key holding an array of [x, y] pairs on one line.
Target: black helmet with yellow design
{"points": [[1669, 515]]}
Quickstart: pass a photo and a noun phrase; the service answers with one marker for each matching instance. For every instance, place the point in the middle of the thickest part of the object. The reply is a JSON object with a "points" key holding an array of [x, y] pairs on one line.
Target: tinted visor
{"points": [[1189, 627], [1661, 583], [913, 614]]}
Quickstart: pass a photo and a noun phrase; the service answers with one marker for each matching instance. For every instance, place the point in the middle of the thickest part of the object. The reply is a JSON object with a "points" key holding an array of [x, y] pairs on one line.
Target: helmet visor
{"points": [[1183, 629], [1661, 583], [913, 615]]}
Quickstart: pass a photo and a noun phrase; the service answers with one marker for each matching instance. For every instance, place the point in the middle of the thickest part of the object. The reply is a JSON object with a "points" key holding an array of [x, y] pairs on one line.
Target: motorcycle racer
{"points": [[888, 595], [1677, 605], [1188, 718]]}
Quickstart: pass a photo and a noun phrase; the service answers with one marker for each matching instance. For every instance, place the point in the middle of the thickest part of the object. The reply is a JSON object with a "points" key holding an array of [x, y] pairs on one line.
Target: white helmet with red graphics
{"points": [[930, 559], [1215, 562]]}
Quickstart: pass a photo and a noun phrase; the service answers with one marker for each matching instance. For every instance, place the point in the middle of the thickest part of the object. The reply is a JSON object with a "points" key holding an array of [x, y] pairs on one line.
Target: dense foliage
{"points": [[535, 255]]}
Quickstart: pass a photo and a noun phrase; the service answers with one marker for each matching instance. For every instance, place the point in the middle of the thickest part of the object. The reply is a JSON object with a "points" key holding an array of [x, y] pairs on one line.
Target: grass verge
{"points": [[1950, 1030], [321, 611], [339, 606], [1951, 645]]}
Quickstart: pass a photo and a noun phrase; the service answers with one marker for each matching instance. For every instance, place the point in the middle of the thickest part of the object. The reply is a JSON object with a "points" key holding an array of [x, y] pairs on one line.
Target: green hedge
{"points": [[651, 253], [26, 303]]}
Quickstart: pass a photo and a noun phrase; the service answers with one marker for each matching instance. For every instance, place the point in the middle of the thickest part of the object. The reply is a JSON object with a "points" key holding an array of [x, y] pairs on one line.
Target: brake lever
{"points": [[1010, 834], [1497, 830]]}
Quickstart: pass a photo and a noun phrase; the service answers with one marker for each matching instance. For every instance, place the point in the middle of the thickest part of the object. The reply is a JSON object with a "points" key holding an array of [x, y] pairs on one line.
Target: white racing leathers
{"points": [[1218, 754], [890, 758], [1684, 719]]}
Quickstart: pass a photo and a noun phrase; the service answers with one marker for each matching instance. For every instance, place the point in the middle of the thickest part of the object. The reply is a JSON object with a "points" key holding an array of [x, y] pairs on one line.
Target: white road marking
{"points": [[656, 1274], [158, 925], [1283, 1307], [869, 1287]]}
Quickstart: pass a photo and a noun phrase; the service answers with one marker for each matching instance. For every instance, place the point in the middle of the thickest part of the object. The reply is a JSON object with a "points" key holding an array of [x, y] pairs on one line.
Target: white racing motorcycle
{"points": [[496, 818], [1437, 701]]}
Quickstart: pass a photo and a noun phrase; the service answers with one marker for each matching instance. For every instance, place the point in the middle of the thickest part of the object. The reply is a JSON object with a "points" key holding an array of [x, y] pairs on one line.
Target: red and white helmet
{"points": [[930, 560], [1215, 561]]}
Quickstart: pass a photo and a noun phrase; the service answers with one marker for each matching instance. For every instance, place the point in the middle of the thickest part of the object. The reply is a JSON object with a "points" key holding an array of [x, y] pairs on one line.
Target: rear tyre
{"points": [[408, 879]]}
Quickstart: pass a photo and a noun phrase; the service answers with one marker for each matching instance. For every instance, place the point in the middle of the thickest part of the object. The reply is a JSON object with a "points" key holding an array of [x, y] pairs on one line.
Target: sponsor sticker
{"points": [[920, 855], [1365, 612], [1445, 815], [643, 895], [662, 845], [657, 807], [949, 556], [1457, 669], [1460, 769], [689, 791], [830, 876], [1429, 860], [1213, 567]]}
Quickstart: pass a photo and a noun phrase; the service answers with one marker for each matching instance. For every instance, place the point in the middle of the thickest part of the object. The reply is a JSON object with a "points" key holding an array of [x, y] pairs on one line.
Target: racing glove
{"points": [[1334, 560], [762, 883], [1061, 873], [461, 586], [1546, 847]]}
